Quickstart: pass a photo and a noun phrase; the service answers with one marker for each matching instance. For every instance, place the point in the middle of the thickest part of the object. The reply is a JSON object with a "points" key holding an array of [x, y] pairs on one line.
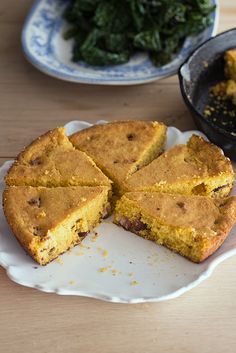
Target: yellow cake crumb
{"points": [[103, 269], [134, 283], [41, 214], [72, 282], [94, 237], [59, 261], [79, 253], [105, 253]]}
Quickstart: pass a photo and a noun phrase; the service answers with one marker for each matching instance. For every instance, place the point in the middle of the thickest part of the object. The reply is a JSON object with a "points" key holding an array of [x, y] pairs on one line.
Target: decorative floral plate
{"points": [[113, 265], [46, 49]]}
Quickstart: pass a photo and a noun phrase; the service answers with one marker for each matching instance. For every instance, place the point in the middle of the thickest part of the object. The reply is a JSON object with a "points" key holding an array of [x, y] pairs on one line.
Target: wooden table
{"points": [[203, 319]]}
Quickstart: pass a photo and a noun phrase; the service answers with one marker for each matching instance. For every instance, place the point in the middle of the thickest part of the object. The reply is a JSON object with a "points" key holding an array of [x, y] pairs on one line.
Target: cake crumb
{"points": [[79, 253], [59, 261], [94, 237], [72, 282], [103, 269], [105, 253], [134, 283], [41, 214]]}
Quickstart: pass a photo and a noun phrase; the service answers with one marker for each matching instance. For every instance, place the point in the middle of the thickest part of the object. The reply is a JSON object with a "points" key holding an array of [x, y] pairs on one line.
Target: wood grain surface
{"points": [[202, 320]]}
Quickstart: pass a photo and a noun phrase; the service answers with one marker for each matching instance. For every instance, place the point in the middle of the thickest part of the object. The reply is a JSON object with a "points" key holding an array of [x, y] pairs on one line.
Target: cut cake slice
{"points": [[193, 226], [51, 160], [196, 168], [49, 221], [230, 64], [121, 148]]}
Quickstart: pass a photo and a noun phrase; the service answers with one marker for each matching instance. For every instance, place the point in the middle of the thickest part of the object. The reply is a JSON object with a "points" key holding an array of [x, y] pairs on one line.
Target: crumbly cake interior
{"points": [[193, 226], [121, 148], [49, 221], [198, 168]]}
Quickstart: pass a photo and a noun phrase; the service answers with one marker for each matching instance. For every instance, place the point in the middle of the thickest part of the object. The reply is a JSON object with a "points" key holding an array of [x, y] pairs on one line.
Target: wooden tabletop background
{"points": [[202, 320]]}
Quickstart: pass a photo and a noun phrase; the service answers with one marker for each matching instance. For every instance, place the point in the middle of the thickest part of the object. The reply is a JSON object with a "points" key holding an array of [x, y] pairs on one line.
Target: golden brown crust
{"points": [[206, 153], [120, 148], [224, 224], [183, 167], [50, 140], [51, 160]]}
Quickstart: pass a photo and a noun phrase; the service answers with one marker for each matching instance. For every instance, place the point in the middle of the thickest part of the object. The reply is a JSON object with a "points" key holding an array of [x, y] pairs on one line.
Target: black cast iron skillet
{"points": [[202, 70]]}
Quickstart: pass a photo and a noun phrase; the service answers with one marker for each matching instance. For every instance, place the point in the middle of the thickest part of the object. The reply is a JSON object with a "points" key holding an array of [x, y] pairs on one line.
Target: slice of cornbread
{"points": [[49, 221], [121, 148], [193, 226], [227, 89], [196, 168], [230, 64], [51, 161]]}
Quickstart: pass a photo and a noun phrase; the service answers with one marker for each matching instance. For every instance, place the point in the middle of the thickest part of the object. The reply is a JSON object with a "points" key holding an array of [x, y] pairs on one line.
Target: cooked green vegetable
{"points": [[108, 32]]}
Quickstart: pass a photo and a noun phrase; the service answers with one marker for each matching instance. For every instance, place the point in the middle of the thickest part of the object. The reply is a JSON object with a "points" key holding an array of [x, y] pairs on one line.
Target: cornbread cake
{"points": [[198, 168], [230, 64], [51, 161], [227, 89], [49, 221], [121, 148], [193, 226]]}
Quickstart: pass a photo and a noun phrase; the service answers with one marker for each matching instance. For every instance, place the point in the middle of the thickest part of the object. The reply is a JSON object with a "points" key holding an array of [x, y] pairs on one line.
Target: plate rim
{"points": [[55, 73], [207, 272]]}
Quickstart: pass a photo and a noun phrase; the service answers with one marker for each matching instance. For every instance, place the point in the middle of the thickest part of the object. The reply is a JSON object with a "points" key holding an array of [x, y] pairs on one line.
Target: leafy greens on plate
{"points": [[108, 32]]}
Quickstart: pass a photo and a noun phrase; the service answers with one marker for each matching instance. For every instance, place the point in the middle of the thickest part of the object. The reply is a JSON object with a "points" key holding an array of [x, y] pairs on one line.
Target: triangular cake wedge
{"points": [[196, 168], [121, 148], [49, 221], [193, 226], [51, 161]]}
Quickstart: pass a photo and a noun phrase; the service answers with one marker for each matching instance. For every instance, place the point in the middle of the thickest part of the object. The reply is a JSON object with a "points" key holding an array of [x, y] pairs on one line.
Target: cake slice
{"points": [[51, 161], [193, 226], [230, 64], [198, 168], [49, 221], [227, 89], [121, 148]]}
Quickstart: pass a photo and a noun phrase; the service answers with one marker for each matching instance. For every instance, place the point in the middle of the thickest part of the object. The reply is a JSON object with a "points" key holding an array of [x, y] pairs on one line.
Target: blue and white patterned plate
{"points": [[46, 49]]}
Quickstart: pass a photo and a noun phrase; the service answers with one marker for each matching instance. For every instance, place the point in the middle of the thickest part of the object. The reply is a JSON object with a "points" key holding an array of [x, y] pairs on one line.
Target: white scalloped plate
{"points": [[136, 270]]}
